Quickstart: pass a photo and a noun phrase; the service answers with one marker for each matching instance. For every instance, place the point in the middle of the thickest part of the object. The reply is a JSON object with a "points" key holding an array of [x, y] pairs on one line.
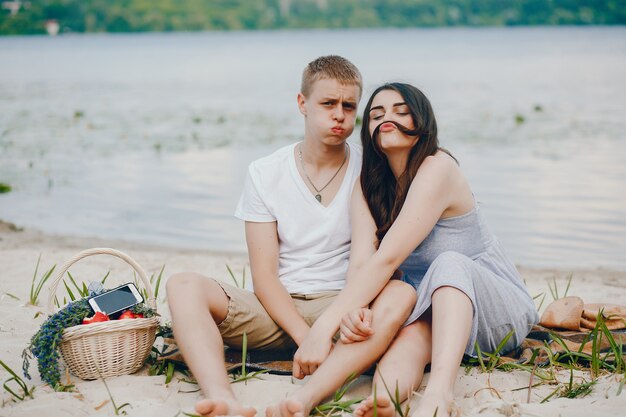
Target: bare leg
{"points": [[451, 325], [197, 303], [390, 309], [402, 366]]}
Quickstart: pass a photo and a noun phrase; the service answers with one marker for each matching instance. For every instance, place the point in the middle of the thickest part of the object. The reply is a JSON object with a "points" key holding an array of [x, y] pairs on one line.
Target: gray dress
{"points": [[462, 252]]}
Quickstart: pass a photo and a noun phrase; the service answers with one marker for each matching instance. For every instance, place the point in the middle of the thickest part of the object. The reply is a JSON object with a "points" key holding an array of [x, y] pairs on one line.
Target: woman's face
{"points": [[389, 106]]}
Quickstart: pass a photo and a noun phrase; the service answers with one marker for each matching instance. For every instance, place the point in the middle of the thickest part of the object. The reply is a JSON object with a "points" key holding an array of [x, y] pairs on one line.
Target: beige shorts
{"points": [[247, 315]]}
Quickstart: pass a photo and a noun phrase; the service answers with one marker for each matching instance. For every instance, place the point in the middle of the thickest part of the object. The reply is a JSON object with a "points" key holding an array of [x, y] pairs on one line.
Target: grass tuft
{"points": [[243, 277], [23, 391], [158, 282], [554, 289], [596, 363], [116, 408], [37, 286], [375, 402], [337, 406], [244, 376], [599, 353], [155, 285], [165, 367], [489, 361], [543, 297], [395, 398], [15, 297], [81, 290]]}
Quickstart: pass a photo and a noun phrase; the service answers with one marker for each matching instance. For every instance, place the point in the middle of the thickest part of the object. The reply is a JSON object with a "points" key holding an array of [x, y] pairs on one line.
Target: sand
{"points": [[476, 393]]}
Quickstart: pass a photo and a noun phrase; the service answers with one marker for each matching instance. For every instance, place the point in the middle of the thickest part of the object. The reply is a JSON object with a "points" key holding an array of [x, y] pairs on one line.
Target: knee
{"points": [[395, 302], [449, 257], [182, 282], [418, 337], [398, 294], [190, 292], [419, 332]]}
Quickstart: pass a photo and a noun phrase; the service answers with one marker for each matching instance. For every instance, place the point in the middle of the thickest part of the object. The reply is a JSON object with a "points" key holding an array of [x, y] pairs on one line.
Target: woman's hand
{"points": [[312, 352], [356, 326]]}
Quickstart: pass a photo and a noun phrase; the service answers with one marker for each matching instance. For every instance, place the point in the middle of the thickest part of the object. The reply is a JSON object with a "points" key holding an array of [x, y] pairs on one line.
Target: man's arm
{"points": [[314, 349], [262, 240]]}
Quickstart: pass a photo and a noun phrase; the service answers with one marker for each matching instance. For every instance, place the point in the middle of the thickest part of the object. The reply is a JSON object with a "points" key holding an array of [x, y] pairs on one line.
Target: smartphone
{"points": [[116, 300]]}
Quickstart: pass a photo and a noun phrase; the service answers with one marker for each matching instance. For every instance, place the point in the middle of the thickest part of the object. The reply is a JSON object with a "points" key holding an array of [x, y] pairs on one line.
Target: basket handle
{"points": [[101, 251]]}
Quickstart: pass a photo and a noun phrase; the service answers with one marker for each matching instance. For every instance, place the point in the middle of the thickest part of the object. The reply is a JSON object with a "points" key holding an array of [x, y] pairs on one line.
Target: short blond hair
{"points": [[331, 67]]}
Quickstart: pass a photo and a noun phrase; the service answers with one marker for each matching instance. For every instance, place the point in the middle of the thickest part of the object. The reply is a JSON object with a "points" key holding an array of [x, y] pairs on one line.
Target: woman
{"points": [[430, 227], [414, 216]]}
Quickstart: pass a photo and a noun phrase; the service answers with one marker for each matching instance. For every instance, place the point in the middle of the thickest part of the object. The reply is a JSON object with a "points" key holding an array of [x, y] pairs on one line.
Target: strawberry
{"points": [[96, 318], [127, 314]]}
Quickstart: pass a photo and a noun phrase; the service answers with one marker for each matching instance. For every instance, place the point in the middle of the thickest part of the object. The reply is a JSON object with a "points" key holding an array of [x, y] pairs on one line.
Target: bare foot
{"points": [[287, 408], [384, 407], [430, 406], [214, 408]]}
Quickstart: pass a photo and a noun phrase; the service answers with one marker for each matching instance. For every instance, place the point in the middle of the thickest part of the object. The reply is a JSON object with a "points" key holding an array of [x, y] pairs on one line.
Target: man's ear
{"points": [[301, 103]]}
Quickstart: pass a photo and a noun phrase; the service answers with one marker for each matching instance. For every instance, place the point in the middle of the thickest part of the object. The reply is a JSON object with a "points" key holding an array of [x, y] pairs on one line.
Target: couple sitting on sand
{"points": [[396, 265]]}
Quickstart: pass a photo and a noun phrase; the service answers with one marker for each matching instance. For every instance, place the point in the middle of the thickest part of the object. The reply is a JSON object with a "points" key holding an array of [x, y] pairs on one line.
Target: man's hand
{"points": [[311, 353], [356, 326]]}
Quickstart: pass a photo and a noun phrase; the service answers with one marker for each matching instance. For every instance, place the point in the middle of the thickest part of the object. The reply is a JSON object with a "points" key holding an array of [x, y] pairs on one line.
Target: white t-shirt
{"points": [[314, 241]]}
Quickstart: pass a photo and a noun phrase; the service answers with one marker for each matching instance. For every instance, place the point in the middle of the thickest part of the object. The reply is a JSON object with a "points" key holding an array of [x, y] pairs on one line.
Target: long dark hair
{"points": [[384, 193]]}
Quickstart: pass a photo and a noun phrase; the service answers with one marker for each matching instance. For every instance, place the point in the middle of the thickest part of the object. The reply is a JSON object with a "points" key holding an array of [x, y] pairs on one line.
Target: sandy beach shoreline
{"points": [[477, 393]]}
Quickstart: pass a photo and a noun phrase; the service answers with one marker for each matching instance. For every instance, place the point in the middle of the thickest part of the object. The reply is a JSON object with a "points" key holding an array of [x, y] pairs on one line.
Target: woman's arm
{"points": [[430, 194], [262, 240]]}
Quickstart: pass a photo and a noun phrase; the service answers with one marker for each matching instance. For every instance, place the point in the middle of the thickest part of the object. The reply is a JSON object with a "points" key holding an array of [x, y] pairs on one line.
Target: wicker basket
{"points": [[111, 348]]}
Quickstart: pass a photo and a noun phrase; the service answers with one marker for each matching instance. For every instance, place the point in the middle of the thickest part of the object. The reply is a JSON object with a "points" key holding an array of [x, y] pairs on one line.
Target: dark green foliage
{"points": [[142, 308], [4, 188], [44, 343], [193, 15]]}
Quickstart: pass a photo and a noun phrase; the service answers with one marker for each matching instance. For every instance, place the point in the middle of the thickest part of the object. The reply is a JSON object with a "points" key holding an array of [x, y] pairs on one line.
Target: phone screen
{"points": [[115, 300]]}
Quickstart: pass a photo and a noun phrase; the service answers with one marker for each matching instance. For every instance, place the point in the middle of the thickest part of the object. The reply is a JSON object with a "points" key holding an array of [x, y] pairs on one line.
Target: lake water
{"points": [[146, 137]]}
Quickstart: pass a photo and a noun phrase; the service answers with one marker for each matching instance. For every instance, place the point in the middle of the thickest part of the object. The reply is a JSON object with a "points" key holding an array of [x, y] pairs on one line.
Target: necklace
{"points": [[318, 196]]}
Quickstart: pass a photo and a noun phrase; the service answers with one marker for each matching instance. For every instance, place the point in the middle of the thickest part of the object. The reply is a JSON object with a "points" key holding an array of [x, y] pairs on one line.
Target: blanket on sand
{"points": [[568, 327]]}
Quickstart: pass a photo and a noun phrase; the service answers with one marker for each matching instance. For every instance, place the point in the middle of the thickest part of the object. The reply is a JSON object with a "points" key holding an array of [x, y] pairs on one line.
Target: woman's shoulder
{"points": [[444, 177], [441, 174], [439, 164]]}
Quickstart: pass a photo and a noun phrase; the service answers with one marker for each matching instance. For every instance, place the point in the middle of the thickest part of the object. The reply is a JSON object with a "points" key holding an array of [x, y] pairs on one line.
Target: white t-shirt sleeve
{"points": [[251, 206]]}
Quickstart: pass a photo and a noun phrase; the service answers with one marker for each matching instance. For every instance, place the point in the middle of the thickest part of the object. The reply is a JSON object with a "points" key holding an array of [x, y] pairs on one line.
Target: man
{"points": [[295, 204]]}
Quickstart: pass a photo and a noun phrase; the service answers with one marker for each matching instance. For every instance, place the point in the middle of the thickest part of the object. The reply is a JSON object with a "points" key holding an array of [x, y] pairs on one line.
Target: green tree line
{"points": [[30, 17]]}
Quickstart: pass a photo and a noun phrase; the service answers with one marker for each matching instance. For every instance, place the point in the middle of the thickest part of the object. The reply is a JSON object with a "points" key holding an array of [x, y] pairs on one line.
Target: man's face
{"points": [[330, 111]]}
